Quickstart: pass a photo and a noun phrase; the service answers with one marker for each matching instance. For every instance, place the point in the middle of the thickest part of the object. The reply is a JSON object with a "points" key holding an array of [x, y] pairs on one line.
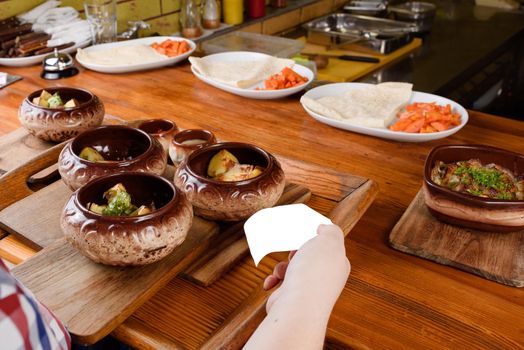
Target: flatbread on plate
{"points": [[123, 55], [373, 106], [241, 73]]}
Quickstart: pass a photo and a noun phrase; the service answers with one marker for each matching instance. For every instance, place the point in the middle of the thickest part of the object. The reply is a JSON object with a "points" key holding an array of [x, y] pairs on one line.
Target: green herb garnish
{"points": [[119, 205]]}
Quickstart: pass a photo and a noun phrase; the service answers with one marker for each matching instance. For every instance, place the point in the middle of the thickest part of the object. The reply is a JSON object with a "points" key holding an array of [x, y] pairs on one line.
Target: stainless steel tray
{"points": [[339, 29], [367, 7]]}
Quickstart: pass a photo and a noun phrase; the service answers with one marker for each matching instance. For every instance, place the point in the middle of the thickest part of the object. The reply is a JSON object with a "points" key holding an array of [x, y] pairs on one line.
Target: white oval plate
{"points": [[31, 60], [251, 91], [340, 88], [136, 67]]}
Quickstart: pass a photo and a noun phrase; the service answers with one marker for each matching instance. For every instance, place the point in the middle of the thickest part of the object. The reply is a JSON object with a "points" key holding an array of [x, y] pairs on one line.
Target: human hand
{"points": [[298, 311], [318, 270]]}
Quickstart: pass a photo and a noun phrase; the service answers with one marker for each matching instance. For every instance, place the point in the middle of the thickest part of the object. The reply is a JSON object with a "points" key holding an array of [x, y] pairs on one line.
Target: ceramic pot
{"points": [[462, 209], [232, 200], [124, 149], [187, 141], [161, 129], [128, 240], [61, 124]]}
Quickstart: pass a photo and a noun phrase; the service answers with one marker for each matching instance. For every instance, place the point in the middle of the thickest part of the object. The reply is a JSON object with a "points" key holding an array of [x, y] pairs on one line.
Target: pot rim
{"points": [[175, 199], [224, 145], [173, 126], [468, 199], [122, 163], [203, 134], [92, 97]]}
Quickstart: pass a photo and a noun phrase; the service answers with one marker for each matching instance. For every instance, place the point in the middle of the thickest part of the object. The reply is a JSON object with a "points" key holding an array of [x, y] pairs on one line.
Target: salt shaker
{"points": [[211, 17]]}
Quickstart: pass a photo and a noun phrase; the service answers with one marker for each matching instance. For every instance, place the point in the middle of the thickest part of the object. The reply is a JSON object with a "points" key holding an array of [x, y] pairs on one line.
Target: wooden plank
{"points": [[231, 246], [241, 324], [253, 28], [496, 256], [19, 146], [315, 10], [237, 329], [280, 23], [321, 180], [14, 250], [36, 218], [92, 299], [140, 336], [14, 183]]}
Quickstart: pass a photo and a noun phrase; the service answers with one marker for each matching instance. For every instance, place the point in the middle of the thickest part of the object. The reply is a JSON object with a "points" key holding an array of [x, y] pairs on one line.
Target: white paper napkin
{"points": [[281, 229]]}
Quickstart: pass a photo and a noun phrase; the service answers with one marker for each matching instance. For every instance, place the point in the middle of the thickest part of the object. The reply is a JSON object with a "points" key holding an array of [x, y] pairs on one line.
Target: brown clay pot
{"points": [[126, 149], [179, 148], [235, 200], [461, 209], [161, 129], [59, 124], [137, 240]]}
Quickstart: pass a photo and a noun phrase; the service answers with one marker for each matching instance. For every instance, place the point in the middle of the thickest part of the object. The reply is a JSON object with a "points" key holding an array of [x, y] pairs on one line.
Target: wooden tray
{"points": [[65, 281], [341, 196], [496, 256], [92, 299]]}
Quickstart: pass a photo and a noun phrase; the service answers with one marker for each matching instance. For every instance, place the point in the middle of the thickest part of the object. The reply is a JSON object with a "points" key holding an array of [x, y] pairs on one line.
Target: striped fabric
{"points": [[24, 322]]}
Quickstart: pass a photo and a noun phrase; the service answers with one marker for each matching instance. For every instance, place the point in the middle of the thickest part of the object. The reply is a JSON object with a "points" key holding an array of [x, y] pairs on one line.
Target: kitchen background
{"points": [[161, 14]]}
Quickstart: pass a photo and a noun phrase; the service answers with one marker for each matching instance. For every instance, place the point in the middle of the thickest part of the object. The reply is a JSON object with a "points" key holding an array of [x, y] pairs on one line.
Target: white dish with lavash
{"points": [[242, 72], [130, 55], [369, 109]]}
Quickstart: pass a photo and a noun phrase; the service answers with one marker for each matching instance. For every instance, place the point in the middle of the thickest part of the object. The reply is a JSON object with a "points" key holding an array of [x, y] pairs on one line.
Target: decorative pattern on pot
{"points": [[127, 240], [230, 200], [123, 148], [61, 124]]}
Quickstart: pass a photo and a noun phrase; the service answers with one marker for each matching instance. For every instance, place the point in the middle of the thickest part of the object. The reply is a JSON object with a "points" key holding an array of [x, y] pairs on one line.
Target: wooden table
{"points": [[391, 300]]}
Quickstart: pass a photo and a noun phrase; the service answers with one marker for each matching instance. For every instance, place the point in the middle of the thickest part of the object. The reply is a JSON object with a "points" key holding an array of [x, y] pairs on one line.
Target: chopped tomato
{"points": [[421, 117], [171, 48], [286, 79]]}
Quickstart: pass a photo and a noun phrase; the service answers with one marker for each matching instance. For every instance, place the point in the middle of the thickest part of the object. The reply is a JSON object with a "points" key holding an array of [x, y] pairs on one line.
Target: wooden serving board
{"points": [[17, 147], [496, 256], [93, 299], [343, 197]]}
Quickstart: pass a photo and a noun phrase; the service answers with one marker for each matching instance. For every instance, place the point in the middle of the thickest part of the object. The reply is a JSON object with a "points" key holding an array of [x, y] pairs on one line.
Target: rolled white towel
{"points": [[77, 36], [32, 15], [57, 16], [76, 24]]}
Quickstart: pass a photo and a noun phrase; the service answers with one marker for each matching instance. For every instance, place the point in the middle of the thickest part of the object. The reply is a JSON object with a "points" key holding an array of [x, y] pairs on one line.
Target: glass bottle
{"points": [[190, 19], [211, 16]]}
